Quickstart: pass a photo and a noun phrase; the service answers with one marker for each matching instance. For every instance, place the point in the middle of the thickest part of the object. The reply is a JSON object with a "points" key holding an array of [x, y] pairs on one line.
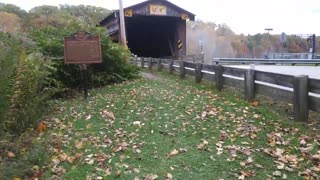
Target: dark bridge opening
{"points": [[154, 28], [152, 36]]}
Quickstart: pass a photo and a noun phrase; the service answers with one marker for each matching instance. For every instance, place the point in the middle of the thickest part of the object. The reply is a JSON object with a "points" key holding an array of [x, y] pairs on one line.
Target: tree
{"points": [[9, 22]]}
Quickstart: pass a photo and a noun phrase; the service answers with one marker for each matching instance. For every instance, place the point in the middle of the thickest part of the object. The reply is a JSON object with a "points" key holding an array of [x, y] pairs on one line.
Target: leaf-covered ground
{"points": [[172, 129]]}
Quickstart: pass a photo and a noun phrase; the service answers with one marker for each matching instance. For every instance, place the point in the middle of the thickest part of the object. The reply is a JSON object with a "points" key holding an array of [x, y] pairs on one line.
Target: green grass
{"points": [[154, 117]]}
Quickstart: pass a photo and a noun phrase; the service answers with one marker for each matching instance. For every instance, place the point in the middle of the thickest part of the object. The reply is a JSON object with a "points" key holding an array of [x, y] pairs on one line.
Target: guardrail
{"points": [[303, 92], [265, 61]]}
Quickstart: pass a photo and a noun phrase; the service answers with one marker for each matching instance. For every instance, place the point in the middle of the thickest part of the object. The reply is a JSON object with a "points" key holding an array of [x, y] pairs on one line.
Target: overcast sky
{"points": [[243, 16]]}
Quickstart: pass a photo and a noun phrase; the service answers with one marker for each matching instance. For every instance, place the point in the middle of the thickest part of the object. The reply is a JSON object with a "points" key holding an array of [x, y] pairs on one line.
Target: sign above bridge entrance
{"points": [[158, 10]]}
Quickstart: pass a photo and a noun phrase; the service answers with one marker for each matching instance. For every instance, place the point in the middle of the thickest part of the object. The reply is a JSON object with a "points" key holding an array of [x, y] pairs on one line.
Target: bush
{"points": [[38, 73], [115, 66], [31, 87], [10, 49]]}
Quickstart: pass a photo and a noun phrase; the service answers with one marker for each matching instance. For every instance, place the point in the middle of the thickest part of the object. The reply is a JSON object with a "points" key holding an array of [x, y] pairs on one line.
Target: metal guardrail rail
{"points": [[264, 61]]}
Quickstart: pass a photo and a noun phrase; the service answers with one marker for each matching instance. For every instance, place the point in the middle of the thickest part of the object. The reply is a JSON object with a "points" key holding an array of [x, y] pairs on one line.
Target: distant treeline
{"points": [[15, 19], [218, 40]]}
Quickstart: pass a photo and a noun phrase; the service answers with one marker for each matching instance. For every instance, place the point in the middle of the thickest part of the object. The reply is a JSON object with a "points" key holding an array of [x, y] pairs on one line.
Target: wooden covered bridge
{"points": [[154, 28]]}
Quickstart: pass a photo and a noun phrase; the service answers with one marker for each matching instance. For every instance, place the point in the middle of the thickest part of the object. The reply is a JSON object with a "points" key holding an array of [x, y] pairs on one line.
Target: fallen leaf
{"points": [[241, 177], [11, 154], [173, 153], [254, 103], [41, 126], [276, 173], [79, 144], [204, 114], [118, 173], [284, 176], [88, 117], [258, 166], [169, 176], [107, 114], [242, 164], [137, 123], [249, 160], [247, 173], [151, 177], [203, 145]]}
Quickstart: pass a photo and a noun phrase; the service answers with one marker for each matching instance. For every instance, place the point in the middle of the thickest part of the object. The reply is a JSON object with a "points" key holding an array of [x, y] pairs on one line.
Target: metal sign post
{"points": [[83, 68], [82, 48]]}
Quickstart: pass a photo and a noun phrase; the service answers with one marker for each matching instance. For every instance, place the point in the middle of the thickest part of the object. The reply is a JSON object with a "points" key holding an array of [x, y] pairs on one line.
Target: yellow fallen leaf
{"points": [[79, 145], [254, 103], [11, 154]]}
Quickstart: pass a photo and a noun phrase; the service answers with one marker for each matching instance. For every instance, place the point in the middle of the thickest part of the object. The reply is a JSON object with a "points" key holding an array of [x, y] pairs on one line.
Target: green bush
{"points": [[10, 48], [31, 87], [115, 66], [37, 73]]}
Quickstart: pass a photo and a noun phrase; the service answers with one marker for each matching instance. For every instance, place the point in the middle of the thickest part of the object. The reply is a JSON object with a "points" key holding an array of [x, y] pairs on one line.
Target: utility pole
{"points": [[313, 46], [269, 29], [122, 25]]}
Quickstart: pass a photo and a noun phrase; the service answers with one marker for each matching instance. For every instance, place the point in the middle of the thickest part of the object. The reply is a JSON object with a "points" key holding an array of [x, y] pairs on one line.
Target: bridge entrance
{"points": [[154, 28], [153, 36]]}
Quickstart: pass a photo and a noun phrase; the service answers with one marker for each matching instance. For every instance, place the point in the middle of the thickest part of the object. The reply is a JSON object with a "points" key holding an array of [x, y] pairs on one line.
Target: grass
{"points": [[163, 128]]}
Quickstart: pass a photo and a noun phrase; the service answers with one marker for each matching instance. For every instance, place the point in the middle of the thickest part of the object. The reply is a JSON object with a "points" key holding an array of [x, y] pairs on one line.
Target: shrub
{"points": [[115, 66], [31, 87], [10, 48]]}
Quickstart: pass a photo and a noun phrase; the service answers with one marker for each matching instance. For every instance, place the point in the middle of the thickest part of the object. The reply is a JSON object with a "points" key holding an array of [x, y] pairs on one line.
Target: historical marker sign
{"points": [[82, 48]]}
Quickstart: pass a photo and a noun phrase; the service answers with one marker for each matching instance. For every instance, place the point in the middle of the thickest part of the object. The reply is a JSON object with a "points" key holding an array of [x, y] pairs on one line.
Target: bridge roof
{"points": [[143, 8]]}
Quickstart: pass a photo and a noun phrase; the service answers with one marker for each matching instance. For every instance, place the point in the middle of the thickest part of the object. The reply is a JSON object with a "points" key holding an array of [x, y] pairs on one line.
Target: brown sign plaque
{"points": [[82, 48]]}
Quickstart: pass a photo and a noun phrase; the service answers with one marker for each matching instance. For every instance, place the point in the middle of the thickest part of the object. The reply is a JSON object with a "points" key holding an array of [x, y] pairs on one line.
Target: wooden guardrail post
{"points": [[170, 64], [249, 85], [150, 63], [300, 98], [136, 60], [159, 65], [219, 77], [142, 62], [198, 74], [182, 70]]}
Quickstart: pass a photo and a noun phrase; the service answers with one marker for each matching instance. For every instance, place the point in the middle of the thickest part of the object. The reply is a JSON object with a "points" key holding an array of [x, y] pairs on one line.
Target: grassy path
{"points": [[167, 129]]}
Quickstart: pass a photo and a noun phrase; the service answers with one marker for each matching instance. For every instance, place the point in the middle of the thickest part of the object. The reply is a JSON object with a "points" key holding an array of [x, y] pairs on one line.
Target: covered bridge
{"points": [[154, 28]]}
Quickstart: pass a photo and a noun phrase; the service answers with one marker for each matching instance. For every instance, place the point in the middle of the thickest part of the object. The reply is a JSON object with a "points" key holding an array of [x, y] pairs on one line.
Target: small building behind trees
{"points": [[154, 28]]}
